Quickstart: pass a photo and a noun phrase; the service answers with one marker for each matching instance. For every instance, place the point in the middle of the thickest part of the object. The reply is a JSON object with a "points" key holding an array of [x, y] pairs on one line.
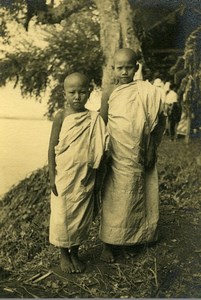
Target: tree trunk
{"points": [[116, 31], [128, 34]]}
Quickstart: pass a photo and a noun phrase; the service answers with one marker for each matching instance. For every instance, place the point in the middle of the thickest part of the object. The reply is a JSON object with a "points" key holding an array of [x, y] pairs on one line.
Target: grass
{"points": [[168, 269]]}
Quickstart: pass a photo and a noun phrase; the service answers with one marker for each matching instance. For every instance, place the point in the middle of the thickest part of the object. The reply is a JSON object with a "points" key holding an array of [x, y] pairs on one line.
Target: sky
{"points": [[12, 105], [19, 35]]}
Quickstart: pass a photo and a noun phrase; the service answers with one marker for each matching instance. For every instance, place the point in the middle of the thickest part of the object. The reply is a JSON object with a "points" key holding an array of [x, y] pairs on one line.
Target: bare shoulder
{"points": [[107, 92], [56, 127], [60, 115]]}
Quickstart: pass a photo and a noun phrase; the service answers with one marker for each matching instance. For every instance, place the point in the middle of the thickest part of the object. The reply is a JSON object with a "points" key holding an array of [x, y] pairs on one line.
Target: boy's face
{"points": [[76, 94], [124, 68]]}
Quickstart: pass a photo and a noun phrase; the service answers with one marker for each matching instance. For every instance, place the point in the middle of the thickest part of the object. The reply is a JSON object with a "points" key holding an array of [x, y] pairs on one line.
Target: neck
{"points": [[73, 111]]}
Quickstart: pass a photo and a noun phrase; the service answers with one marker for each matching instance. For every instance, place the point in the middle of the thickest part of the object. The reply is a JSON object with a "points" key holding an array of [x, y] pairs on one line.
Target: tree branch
{"points": [[48, 14], [179, 10]]}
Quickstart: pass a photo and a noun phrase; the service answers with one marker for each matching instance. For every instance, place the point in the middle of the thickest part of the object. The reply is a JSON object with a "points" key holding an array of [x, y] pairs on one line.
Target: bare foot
{"points": [[66, 263], [107, 253], [79, 266]]}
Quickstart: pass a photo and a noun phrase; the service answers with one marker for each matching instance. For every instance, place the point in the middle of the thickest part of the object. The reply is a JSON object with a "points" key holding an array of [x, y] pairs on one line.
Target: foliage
{"points": [[190, 84], [27, 204], [193, 67], [73, 44], [71, 47], [4, 31], [72, 34], [73, 50], [31, 74]]}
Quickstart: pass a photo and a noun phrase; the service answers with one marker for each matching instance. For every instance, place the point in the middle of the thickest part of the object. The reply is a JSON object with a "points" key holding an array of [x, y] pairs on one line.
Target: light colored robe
{"points": [[81, 145], [130, 203]]}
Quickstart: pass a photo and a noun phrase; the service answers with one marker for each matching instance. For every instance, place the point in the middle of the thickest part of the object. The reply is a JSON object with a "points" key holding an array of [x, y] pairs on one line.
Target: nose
{"points": [[124, 71], [77, 96]]}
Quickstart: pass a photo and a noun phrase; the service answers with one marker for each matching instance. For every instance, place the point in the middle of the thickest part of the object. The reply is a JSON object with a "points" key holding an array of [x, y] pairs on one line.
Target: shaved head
{"points": [[125, 54], [125, 65], [76, 78], [76, 87]]}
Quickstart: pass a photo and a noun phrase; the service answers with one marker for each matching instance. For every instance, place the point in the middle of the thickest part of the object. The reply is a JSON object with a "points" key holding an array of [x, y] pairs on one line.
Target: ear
{"points": [[136, 67]]}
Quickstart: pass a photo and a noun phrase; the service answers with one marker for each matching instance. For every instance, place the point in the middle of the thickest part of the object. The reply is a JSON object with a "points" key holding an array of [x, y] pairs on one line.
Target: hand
{"points": [[53, 185], [54, 190], [97, 203]]}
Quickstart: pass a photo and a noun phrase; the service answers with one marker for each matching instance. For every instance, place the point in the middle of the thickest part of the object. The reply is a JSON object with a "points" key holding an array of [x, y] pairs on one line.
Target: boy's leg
{"points": [[107, 254], [172, 127], [79, 266], [66, 263], [175, 131]]}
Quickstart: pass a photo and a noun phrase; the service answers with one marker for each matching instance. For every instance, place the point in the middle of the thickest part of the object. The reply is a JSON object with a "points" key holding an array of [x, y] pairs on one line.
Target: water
{"points": [[23, 149]]}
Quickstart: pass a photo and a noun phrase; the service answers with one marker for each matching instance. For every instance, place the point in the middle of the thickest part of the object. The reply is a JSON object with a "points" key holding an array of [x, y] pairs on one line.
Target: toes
{"points": [[68, 268], [111, 260], [129, 254], [107, 258], [72, 270], [78, 271], [79, 266]]}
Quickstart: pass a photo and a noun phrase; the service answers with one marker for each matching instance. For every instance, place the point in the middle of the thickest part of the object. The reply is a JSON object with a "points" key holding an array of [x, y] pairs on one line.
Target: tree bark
{"points": [[128, 34], [110, 36], [116, 31]]}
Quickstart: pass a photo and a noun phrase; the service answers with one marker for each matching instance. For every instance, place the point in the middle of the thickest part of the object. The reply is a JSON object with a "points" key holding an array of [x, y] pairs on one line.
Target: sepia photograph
{"points": [[100, 149]]}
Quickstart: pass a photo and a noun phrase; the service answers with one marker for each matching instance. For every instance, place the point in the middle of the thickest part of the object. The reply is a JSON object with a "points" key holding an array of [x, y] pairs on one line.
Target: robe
{"points": [[130, 200], [82, 142]]}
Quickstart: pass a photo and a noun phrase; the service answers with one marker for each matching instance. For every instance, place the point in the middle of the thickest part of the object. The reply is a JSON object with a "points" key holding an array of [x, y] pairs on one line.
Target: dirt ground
{"points": [[168, 269]]}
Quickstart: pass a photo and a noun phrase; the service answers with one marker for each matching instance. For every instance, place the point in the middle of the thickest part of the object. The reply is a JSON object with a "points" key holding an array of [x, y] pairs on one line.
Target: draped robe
{"points": [[130, 201], [81, 145]]}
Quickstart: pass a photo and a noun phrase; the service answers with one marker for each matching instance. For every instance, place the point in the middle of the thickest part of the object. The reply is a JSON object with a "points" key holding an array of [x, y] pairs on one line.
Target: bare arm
{"points": [[155, 139], [104, 103], [54, 139], [104, 108], [159, 129]]}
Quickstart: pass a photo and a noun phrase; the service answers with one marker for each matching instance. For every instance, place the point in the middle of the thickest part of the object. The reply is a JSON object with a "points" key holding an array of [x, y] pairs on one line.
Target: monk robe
{"points": [[81, 145], [130, 203]]}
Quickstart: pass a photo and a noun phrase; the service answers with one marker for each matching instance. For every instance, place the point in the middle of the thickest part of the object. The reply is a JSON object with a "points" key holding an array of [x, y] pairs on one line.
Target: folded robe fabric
{"points": [[130, 203], [82, 142]]}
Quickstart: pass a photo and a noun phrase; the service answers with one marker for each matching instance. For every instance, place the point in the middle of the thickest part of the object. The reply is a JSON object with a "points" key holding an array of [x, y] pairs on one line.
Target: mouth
{"points": [[125, 78]]}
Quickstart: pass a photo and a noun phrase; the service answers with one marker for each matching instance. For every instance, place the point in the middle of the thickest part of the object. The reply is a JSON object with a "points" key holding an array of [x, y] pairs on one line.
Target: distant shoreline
{"points": [[24, 118]]}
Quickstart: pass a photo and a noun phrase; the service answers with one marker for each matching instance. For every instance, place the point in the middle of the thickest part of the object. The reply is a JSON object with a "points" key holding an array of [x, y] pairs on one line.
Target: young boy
{"points": [[77, 143], [130, 203], [173, 109]]}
